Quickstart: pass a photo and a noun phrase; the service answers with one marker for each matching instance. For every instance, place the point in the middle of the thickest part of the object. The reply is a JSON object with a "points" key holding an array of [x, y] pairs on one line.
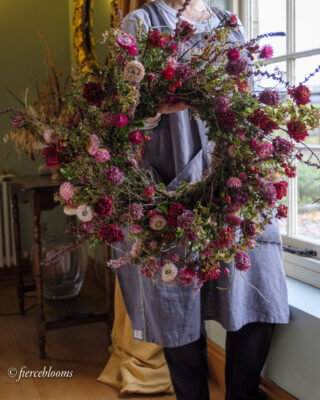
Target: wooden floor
{"points": [[81, 349]]}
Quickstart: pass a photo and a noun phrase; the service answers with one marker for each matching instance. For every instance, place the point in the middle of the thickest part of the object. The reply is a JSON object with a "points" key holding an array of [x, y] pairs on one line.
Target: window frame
{"points": [[305, 269]]}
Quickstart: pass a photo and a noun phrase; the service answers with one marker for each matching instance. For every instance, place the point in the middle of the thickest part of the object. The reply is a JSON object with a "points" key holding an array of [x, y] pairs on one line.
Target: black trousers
{"points": [[246, 352]]}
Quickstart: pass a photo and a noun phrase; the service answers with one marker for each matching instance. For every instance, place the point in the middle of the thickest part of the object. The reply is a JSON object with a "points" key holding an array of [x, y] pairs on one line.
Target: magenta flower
{"points": [[136, 229], [233, 54], [242, 261], [114, 174], [269, 97], [120, 120], [102, 155], [17, 122], [265, 150], [107, 120], [135, 211], [136, 136], [128, 43], [266, 52]]}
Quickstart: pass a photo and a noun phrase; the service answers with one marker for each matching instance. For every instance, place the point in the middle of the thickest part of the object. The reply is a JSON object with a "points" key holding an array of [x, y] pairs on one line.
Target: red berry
{"points": [[227, 271], [284, 165], [150, 213], [147, 139], [228, 199]]}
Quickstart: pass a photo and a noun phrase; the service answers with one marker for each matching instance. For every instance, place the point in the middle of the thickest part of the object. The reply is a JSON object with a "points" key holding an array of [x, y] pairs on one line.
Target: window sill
{"points": [[304, 297], [304, 269]]}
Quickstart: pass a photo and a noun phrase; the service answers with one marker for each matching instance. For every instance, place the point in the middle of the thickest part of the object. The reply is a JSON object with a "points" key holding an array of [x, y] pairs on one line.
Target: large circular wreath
{"points": [[254, 151]]}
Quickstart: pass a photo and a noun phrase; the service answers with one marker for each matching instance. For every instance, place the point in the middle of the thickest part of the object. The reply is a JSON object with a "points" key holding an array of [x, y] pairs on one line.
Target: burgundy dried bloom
{"points": [[282, 146], [269, 194], [174, 212], [93, 93], [235, 68], [297, 130], [227, 119], [103, 207], [242, 261], [110, 234], [248, 228], [233, 54], [221, 104], [301, 94], [269, 97], [184, 72]]}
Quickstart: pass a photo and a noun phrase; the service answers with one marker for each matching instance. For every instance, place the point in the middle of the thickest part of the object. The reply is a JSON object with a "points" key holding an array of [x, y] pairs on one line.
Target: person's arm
{"points": [[131, 24]]}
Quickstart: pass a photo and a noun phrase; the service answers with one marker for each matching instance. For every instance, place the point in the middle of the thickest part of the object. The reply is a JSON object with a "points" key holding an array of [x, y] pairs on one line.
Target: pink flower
{"points": [[151, 77], [103, 207], [157, 222], [136, 136], [234, 208], [236, 68], [120, 120], [300, 94], [172, 62], [266, 52], [243, 176], [187, 276], [70, 209], [232, 150], [221, 104], [84, 213], [114, 174], [48, 136], [265, 150], [107, 120], [136, 249], [242, 261], [227, 119], [136, 229], [149, 192], [135, 211], [234, 183], [110, 234], [269, 97], [233, 220], [102, 155], [17, 121], [128, 43], [92, 144], [66, 191], [168, 73]]}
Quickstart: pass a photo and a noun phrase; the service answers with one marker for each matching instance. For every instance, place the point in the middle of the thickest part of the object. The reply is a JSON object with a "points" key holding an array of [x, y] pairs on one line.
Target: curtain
{"points": [[125, 6]]}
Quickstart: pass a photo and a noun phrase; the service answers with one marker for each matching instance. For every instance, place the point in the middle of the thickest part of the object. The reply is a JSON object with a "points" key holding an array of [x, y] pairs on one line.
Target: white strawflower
{"points": [[84, 213], [134, 71], [169, 272]]}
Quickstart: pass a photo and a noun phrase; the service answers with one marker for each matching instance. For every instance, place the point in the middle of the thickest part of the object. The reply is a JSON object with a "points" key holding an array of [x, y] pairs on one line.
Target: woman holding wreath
{"points": [[172, 316]]}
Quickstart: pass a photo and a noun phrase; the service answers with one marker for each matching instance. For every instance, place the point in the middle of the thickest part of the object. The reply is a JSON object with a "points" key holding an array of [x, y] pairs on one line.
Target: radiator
{"points": [[7, 245]]}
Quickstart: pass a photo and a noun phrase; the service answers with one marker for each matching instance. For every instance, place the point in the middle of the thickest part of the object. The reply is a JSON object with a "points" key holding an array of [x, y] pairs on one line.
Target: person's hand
{"points": [[170, 108]]}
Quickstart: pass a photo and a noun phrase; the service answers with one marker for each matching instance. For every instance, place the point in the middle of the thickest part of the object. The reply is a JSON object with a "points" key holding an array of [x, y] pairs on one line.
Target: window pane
{"points": [[263, 82], [309, 201], [307, 24], [270, 16], [304, 66]]}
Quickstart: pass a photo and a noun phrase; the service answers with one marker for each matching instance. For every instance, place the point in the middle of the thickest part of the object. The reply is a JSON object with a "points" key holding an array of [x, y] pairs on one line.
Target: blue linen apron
{"points": [[171, 315]]}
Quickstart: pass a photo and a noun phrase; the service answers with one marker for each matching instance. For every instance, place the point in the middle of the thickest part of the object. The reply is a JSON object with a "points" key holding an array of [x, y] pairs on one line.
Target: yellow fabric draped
{"points": [[134, 366]]}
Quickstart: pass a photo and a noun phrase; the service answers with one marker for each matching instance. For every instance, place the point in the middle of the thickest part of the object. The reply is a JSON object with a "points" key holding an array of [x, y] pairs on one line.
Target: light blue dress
{"points": [[171, 315]]}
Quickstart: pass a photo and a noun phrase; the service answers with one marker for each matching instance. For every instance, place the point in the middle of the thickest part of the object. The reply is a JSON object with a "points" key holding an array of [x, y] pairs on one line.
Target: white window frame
{"points": [[306, 269]]}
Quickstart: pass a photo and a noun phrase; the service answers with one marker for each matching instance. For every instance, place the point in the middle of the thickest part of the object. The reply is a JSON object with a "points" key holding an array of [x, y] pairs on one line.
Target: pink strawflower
{"points": [[92, 144], [135, 211], [114, 174], [233, 220], [136, 229], [102, 155], [233, 54], [107, 119], [120, 120], [234, 183], [265, 150], [157, 222], [136, 136], [66, 191], [84, 213], [242, 261], [70, 209], [266, 52], [172, 62], [149, 192], [48, 136]]}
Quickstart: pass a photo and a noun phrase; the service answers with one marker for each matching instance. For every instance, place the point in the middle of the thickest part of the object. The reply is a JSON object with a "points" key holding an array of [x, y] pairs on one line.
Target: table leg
{"points": [[17, 239], [41, 325]]}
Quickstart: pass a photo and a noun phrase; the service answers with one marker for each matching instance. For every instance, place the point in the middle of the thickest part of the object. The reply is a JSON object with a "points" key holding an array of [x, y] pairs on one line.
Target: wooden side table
{"points": [[38, 191]]}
